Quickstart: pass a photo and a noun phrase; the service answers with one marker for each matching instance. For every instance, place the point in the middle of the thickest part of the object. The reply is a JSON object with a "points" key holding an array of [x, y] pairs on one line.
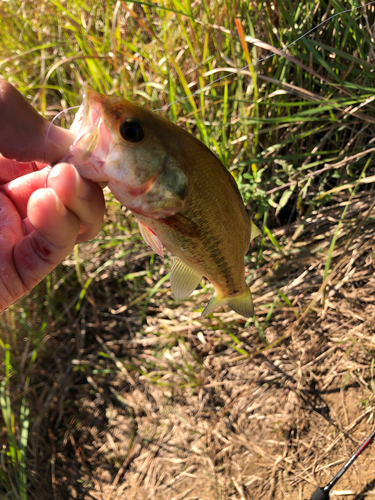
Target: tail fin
{"points": [[241, 304]]}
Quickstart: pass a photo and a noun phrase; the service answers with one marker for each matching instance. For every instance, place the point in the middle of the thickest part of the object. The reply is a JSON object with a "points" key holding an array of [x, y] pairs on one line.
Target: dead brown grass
{"points": [[164, 407]]}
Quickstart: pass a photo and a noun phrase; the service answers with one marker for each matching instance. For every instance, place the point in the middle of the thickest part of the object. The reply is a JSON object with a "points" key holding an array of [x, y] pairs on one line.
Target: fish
{"points": [[183, 197]]}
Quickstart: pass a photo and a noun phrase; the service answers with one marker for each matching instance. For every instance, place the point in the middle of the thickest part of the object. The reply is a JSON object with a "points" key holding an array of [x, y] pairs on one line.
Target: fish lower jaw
{"points": [[87, 169]]}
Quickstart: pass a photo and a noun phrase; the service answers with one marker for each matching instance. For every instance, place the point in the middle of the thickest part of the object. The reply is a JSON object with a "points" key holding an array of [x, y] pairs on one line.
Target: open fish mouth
{"points": [[88, 113], [92, 139]]}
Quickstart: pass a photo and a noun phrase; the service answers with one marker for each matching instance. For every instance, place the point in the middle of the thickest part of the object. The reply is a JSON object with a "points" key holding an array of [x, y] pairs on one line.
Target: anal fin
{"points": [[150, 238], [184, 280]]}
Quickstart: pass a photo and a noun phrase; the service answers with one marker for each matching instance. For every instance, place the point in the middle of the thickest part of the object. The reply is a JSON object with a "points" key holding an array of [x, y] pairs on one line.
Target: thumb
{"points": [[24, 131]]}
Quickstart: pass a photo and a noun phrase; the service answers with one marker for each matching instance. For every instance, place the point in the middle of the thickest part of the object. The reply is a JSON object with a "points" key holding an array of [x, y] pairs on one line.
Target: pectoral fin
{"points": [[241, 304], [184, 280], [150, 238]]}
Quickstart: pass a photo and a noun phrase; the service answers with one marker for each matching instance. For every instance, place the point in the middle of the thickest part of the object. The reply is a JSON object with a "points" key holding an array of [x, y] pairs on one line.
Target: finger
{"points": [[10, 169], [11, 287], [20, 189], [10, 223], [81, 196], [56, 231], [23, 130]]}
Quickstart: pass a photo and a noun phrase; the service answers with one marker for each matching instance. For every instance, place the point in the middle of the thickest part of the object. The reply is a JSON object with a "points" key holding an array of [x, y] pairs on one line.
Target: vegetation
{"points": [[110, 386]]}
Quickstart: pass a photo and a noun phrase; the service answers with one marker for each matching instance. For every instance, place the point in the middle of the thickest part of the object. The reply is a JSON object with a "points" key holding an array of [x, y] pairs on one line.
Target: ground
{"points": [[151, 401]]}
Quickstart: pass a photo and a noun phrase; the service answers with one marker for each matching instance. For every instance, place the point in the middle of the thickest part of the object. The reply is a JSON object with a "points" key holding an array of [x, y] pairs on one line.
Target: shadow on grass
{"points": [[369, 487]]}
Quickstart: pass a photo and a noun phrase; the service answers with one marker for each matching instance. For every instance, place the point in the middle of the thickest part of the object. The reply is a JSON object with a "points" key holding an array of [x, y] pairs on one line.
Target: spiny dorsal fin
{"points": [[184, 280], [150, 238]]}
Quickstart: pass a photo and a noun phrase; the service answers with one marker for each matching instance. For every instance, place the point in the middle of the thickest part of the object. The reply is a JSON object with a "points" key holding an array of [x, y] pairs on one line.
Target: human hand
{"points": [[43, 212]]}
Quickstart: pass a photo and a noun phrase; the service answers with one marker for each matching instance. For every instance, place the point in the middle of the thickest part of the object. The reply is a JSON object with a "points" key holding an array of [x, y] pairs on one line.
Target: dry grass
{"points": [[165, 407]]}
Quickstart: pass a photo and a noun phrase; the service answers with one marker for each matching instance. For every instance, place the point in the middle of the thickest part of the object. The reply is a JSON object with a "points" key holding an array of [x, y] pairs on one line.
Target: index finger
{"points": [[11, 169]]}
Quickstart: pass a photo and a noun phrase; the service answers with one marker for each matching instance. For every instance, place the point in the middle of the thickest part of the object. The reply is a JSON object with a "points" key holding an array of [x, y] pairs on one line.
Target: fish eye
{"points": [[132, 130]]}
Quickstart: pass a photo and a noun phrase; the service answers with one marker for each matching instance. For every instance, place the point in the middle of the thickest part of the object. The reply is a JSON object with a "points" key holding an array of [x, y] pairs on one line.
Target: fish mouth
{"points": [[88, 113], [88, 126]]}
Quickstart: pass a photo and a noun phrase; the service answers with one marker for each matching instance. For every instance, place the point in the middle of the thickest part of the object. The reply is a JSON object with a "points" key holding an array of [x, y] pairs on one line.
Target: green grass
{"points": [[284, 127], [17, 429]]}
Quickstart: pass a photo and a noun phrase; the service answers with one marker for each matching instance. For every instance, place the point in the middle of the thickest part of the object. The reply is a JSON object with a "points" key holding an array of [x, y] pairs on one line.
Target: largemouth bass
{"points": [[180, 193]]}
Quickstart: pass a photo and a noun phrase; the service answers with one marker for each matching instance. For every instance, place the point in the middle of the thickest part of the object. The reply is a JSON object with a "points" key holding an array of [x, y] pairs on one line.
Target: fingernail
{"points": [[53, 174], [49, 173], [60, 207]]}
